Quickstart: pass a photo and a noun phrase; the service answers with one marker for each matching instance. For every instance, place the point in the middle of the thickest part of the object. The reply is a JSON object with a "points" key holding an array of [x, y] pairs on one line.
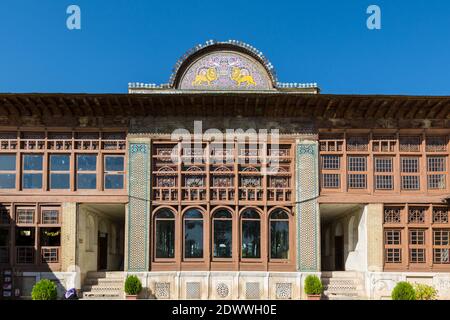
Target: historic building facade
{"points": [[224, 184]]}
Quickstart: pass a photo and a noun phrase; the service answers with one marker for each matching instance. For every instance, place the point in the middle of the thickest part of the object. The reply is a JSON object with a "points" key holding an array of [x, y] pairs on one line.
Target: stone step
{"points": [[97, 288], [103, 281], [105, 274], [113, 295], [342, 274]]}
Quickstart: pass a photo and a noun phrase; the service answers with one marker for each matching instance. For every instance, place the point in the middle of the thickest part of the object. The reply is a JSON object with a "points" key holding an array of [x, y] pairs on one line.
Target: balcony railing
{"points": [[222, 193], [251, 194], [165, 194], [279, 194]]}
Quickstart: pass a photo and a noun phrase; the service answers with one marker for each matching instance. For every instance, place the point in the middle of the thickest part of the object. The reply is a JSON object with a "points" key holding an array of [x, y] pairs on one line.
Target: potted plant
{"points": [[425, 292], [44, 290], [313, 287], [403, 291], [132, 287]]}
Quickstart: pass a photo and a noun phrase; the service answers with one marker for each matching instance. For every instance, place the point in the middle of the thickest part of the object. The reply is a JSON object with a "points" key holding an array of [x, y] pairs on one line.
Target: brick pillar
{"points": [[375, 237], [137, 223], [68, 235], [307, 208]]}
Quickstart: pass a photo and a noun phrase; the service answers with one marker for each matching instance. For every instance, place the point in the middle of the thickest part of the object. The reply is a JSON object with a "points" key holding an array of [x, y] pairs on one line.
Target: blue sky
{"points": [[307, 41]]}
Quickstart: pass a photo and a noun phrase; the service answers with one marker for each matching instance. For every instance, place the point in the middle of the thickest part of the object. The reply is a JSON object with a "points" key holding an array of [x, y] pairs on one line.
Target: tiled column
{"points": [[138, 211], [307, 208], [68, 235], [375, 237]]}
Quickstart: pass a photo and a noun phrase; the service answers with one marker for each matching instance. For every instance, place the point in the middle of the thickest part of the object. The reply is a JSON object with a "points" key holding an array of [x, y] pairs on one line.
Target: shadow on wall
{"points": [[344, 245], [30, 249]]}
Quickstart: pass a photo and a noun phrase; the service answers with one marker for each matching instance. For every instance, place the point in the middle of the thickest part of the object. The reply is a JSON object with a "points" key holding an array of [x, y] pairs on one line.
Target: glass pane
{"points": [[32, 180], [59, 181], [250, 214], [224, 214], [251, 239], [32, 162], [193, 214], [222, 238], [279, 215], [165, 214], [165, 239], [50, 237], [59, 162], [114, 163], [86, 181], [7, 181], [25, 236], [86, 162], [4, 237], [193, 239], [114, 181], [279, 239], [8, 162]]}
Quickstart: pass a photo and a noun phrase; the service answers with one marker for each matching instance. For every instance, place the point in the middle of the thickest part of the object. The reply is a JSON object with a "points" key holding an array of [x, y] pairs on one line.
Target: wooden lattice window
{"points": [[410, 143], [393, 255], [25, 216], [49, 216], [358, 143], [331, 176], [357, 172], [416, 215], [410, 173], [392, 215], [440, 215], [436, 172], [441, 246], [436, 143], [384, 177]]}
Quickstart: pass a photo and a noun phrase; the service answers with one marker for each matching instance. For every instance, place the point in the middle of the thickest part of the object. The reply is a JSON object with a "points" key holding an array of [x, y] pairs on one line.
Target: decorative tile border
{"points": [[138, 206], [307, 209]]}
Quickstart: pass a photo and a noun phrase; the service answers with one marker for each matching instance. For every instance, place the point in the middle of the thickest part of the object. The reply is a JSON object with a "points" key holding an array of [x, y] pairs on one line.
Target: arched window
{"points": [[193, 234], [251, 234], [279, 235], [222, 234], [165, 234]]}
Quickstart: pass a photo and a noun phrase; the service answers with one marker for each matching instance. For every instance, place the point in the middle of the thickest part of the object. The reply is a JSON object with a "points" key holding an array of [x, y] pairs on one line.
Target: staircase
{"points": [[343, 285], [103, 286]]}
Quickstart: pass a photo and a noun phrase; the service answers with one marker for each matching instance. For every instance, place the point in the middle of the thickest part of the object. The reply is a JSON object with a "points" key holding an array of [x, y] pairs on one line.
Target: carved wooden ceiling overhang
{"points": [[232, 104]]}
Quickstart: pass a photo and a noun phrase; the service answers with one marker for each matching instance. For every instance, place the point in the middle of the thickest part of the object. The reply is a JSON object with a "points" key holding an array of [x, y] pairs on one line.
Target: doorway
{"points": [[339, 253], [102, 253]]}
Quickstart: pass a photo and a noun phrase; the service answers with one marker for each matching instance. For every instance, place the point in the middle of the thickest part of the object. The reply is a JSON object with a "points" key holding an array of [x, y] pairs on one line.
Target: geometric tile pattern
{"points": [[222, 290], [283, 290], [308, 219], [252, 290], [192, 290], [162, 290], [138, 206]]}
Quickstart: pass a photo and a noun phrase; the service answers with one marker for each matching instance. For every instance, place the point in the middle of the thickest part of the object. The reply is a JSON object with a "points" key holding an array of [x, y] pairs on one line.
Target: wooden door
{"points": [[102, 253], [339, 253]]}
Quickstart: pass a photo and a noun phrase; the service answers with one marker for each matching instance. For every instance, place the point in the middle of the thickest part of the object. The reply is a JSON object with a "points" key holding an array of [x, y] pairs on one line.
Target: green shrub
{"points": [[133, 285], [403, 291], [313, 285], [44, 290], [425, 292]]}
